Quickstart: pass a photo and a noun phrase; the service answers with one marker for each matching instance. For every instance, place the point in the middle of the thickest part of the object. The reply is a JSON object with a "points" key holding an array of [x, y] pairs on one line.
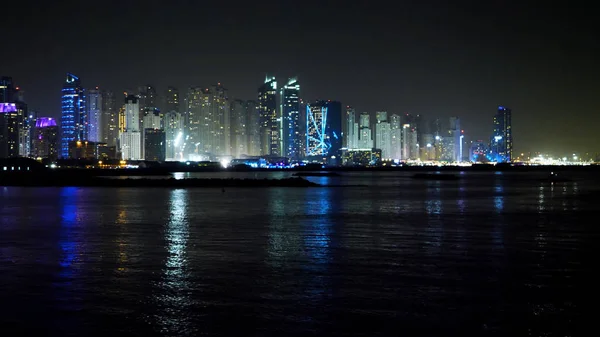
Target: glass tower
{"points": [[269, 121], [73, 121], [501, 143], [291, 122]]}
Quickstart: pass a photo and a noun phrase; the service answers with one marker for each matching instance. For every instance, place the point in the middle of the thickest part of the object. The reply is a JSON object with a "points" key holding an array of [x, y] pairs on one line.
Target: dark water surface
{"points": [[492, 254]]}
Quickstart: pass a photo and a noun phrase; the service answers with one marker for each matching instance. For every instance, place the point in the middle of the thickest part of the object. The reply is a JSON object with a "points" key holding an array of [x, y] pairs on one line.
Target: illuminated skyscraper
{"points": [[324, 128], [396, 137], [130, 138], [45, 138], [173, 124], [365, 138], [351, 129], [269, 119], [383, 135], [73, 122], [501, 143], [10, 116], [253, 128], [94, 113], [239, 124], [110, 119], [291, 120]]}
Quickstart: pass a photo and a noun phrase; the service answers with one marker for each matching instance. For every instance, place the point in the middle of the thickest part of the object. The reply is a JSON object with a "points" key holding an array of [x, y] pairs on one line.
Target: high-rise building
{"points": [[10, 117], [396, 137], [174, 135], [45, 142], [269, 119], [455, 133], [351, 129], [155, 144], [73, 122], [94, 113], [383, 135], [130, 137], [110, 119], [26, 126], [410, 146], [501, 143], [365, 138], [292, 123], [253, 128], [209, 125], [416, 124], [172, 100], [239, 124], [324, 128]]}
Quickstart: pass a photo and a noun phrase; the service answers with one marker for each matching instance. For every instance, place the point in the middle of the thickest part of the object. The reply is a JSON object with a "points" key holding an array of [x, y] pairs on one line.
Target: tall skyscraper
{"points": [[501, 143], [45, 143], [73, 122], [130, 137], [324, 128], [410, 146], [383, 135], [396, 137], [209, 119], [26, 126], [239, 124], [94, 113], [291, 121], [110, 119], [155, 144], [365, 138], [10, 115], [174, 131], [351, 129], [269, 119], [253, 128]]}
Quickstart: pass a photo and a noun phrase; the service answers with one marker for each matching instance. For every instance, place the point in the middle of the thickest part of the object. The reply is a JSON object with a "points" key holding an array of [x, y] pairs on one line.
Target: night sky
{"points": [[427, 57]]}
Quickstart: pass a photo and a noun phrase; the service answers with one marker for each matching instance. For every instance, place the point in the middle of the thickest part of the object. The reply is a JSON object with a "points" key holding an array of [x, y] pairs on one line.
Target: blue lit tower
{"points": [[269, 122], [73, 121], [501, 143], [291, 121], [323, 128]]}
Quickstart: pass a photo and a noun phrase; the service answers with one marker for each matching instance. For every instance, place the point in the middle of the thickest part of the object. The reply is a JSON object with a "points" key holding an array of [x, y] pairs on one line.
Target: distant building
{"points": [[239, 128], [410, 146], [172, 100], [94, 113], [130, 137], [45, 143], [109, 131], [350, 130], [253, 128], [10, 117], [365, 138], [478, 152], [155, 145], [501, 144], [174, 135], [383, 135], [270, 122], [292, 136], [74, 120], [324, 128], [396, 137]]}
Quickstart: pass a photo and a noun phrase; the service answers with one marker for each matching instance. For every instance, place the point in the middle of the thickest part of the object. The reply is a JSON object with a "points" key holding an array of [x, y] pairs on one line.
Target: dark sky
{"points": [[436, 58]]}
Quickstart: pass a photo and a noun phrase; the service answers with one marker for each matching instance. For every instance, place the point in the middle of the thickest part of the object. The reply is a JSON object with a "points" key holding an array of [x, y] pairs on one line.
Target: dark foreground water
{"points": [[492, 254]]}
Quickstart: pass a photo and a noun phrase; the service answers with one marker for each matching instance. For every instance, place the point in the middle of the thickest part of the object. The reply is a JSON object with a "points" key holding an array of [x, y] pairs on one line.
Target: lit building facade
{"points": [[239, 127], [269, 120], [94, 113], [351, 129], [396, 137], [324, 128], [253, 128], [73, 122], [130, 138], [501, 143], [10, 116], [383, 135], [365, 138], [45, 142], [361, 157], [110, 119], [174, 135], [291, 119]]}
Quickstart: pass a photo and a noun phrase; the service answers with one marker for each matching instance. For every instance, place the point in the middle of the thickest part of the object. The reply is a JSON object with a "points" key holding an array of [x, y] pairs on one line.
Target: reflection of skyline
{"points": [[434, 211], [319, 208], [70, 244], [284, 236], [174, 300]]}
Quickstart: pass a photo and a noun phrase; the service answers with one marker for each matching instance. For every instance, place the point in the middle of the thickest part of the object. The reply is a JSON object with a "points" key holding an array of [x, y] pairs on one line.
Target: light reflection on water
{"points": [[174, 299]]}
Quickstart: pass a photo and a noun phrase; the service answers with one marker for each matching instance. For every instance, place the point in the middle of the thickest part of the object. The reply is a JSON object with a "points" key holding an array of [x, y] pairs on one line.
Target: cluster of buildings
{"points": [[278, 128]]}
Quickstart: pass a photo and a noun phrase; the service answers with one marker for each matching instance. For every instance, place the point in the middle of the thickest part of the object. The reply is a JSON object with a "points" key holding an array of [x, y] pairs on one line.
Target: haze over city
{"points": [[427, 58]]}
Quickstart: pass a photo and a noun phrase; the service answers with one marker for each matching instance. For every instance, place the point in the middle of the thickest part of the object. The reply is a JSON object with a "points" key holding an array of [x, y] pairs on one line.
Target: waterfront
{"points": [[490, 254]]}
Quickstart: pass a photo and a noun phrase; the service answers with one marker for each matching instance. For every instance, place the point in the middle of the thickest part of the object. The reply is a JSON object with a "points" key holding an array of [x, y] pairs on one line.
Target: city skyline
{"points": [[469, 59]]}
